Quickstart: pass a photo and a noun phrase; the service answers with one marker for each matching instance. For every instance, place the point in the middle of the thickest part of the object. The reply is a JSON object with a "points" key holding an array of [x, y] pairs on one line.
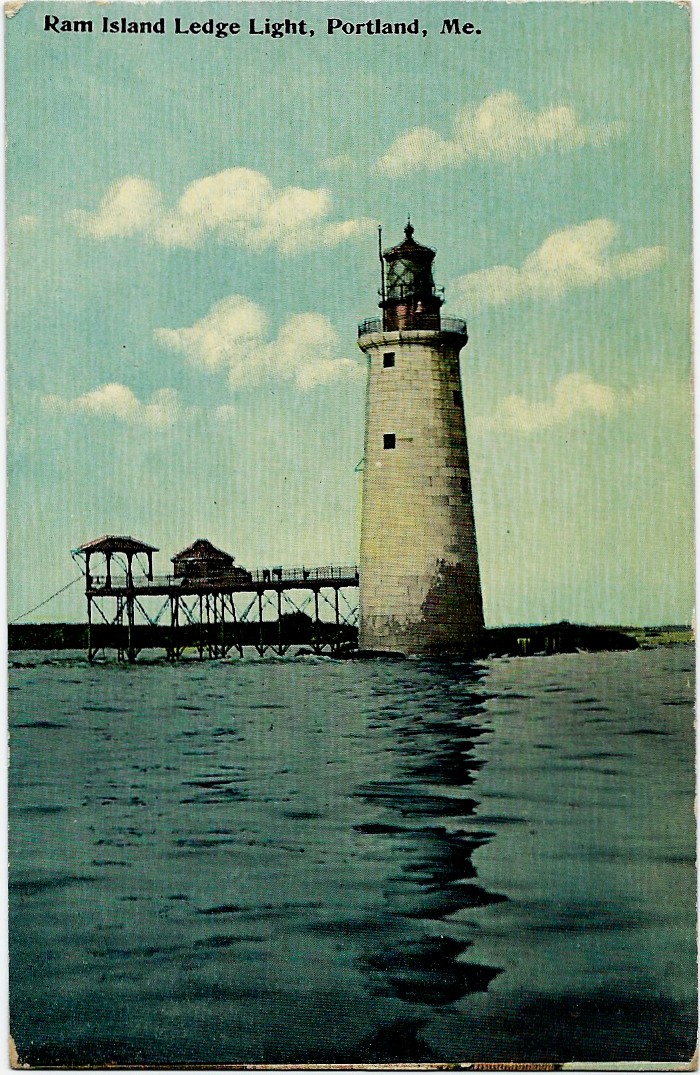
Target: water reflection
{"points": [[431, 829]]}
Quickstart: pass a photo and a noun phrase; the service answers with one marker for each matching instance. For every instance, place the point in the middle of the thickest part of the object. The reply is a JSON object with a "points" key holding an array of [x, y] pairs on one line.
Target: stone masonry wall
{"points": [[420, 589]]}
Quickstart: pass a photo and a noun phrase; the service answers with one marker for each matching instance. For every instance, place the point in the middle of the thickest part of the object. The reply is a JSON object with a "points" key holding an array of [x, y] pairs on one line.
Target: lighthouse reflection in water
{"points": [[286, 861]]}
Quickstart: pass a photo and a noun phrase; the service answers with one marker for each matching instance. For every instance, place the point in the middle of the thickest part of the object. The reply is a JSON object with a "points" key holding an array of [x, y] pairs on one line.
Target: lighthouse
{"points": [[420, 590]]}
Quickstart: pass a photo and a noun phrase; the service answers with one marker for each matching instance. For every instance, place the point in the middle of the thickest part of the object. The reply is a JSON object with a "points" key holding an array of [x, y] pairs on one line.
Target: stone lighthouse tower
{"points": [[420, 590]]}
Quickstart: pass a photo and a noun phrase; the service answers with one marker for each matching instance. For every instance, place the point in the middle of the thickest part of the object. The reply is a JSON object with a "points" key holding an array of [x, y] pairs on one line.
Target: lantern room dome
{"points": [[409, 248]]}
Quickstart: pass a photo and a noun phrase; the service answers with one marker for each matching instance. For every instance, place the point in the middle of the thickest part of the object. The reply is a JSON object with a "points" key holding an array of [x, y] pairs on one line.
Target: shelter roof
{"points": [[203, 551], [116, 543]]}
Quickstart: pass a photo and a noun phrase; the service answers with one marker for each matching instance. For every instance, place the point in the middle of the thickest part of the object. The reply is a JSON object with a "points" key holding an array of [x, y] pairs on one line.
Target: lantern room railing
{"points": [[447, 324]]}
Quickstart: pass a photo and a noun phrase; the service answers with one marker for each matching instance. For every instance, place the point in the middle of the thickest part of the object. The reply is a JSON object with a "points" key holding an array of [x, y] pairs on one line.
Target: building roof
{"points": [[115, 543], [203, 551]]}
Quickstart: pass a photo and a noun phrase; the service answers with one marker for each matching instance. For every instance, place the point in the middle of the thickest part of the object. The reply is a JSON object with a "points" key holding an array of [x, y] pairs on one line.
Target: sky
{"points": [[192, 240]]}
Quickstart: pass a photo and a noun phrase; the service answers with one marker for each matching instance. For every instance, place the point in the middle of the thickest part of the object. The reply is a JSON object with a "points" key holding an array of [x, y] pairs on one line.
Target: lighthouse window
{"points": [[457, 397], [389, 440], [465, 485], [389, 359]]}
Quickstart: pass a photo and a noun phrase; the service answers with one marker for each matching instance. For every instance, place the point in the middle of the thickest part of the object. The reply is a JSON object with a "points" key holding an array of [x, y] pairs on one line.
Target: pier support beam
{"points": [[261, 644], [131, 652]]}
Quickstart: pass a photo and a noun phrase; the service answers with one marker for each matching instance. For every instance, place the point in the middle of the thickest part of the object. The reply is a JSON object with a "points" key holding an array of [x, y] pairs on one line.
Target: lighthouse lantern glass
{"points": [[409, 277]]}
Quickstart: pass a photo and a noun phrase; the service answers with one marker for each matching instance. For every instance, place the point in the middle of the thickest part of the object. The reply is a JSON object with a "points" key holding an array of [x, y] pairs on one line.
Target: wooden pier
{"points": [[211, 609]]}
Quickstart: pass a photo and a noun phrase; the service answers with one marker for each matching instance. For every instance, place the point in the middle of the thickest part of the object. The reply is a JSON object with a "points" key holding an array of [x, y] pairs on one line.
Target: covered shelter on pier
{"points": [[110, 545], [202, 560]]}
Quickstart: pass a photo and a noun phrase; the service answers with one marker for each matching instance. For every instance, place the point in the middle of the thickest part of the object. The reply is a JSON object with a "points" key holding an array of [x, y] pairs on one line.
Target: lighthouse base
{"points": [[417, 616]]}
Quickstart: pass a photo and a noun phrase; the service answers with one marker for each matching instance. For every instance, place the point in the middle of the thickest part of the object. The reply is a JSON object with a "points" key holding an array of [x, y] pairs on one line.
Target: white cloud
{"points": [[575, 257], [225, 413], [501, 127], [237, 206], [575, 394], [130, 206], [420, 148], [27, 222], [223, 337], [232, 335], [339, 163], [119, 402]]}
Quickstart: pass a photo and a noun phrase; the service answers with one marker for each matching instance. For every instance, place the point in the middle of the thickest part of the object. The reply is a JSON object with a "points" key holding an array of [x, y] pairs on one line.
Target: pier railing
{"points": [[272, 577]]}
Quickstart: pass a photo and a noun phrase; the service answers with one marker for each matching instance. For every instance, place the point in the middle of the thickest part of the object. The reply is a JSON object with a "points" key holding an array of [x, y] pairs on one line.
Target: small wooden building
{"points": [[202, 560]]}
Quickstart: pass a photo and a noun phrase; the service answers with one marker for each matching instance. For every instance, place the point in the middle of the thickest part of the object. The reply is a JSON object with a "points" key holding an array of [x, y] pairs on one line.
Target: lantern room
{"points": [[410, 299]]}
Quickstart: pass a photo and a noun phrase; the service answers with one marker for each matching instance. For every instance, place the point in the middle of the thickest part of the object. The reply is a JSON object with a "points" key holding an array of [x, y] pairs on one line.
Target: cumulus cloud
{"points": [[232, 336], [501, 127], [575, 394], [236, 206], [117, 401], [575, 257], [223, 337]]}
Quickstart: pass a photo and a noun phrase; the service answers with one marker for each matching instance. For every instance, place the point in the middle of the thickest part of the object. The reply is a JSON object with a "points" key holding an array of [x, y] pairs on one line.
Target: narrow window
{"points": [[465, 485], [389, 359], [457, 397], [389, 440]]}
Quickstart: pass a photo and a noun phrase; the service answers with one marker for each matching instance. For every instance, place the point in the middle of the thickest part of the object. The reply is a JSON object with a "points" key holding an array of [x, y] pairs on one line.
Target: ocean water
{"points": [[305, 860]]}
